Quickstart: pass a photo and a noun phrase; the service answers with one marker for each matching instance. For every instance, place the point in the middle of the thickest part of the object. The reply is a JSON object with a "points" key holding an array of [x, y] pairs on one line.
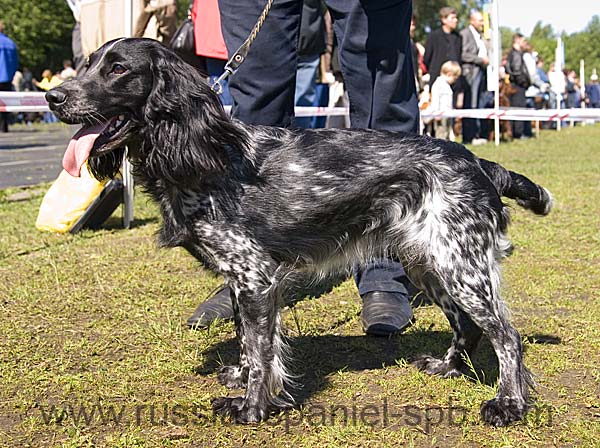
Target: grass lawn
{"points": [[94, 352]]}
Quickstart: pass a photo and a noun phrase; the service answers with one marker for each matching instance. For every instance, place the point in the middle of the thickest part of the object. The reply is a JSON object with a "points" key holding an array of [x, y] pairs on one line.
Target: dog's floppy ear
{"points": [[189, 130]]}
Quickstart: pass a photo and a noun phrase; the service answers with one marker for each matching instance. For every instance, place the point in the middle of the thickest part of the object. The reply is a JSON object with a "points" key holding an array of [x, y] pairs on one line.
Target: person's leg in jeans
{"points": [[306, 88], [470, 126], [375, 59], [475, 95], [262, 89]]}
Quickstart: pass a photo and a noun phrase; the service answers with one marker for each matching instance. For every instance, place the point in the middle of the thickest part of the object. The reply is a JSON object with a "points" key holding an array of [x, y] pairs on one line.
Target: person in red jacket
{"points": [[210, 44]]}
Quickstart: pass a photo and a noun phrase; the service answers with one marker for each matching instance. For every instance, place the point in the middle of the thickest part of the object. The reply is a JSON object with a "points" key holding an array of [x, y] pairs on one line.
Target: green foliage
{"points": [[580, 45], [543, 39], [182, 10], [584, 45], [41, 29], [506, 35]]}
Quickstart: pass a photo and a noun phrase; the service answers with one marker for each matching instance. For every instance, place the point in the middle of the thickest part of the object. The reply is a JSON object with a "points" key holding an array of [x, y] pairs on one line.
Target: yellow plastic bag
{"points": [[67, 200]]}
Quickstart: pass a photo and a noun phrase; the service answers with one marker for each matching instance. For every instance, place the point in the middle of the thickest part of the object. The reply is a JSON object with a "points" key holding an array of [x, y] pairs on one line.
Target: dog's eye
{"points": [[118, 69]]}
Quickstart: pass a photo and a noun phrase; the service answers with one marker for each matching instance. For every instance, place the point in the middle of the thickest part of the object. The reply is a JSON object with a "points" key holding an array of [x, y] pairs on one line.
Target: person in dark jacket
{"points": [[443, 44], [474, 62], [520, 81], [592, 98]]}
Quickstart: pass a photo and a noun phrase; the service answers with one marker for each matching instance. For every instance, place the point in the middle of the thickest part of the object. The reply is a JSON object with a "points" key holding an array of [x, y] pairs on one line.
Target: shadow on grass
{"points": [[315, 357], [543, 339], [116, 223]]}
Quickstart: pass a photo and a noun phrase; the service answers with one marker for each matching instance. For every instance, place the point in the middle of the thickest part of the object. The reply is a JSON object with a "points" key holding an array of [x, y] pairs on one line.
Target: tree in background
{"points": [[543, 40], [42, 31], [584, 45], [182, 9], [581, 45]]}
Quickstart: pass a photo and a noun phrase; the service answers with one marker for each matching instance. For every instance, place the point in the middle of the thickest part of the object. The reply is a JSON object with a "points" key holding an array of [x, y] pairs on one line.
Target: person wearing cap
{"points": [[592, 90]]}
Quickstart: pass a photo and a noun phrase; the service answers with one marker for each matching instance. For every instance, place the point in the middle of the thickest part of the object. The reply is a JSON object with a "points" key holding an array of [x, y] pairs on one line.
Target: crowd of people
{"points": [[524, 82], [451, 70]]}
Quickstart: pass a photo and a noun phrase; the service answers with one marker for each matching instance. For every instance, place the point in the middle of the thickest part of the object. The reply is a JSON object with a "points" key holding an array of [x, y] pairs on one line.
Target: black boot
{"points": [[385, 313], [217, 307]]}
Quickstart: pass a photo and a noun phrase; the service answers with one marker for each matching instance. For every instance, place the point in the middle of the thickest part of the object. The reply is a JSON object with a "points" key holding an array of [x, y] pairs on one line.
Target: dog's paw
{"points": [[237, 409], [435, 366], [232, 377], [502, 411]]}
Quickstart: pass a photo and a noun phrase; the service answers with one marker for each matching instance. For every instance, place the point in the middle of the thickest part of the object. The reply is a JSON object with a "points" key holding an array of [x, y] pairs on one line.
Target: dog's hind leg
{"points": [[462, 258], [464, 342], [474, 288]]}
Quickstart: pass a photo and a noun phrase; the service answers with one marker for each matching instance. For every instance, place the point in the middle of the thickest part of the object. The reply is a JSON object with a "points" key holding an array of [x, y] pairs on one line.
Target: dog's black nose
{"points": [[55, 96]]}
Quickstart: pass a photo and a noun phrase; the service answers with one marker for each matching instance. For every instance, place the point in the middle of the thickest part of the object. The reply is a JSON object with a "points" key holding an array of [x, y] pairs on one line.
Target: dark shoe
{"points": [[385, 313], [217, 307]]}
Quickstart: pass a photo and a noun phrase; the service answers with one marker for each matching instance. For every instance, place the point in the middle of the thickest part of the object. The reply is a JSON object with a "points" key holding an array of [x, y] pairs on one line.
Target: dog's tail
{"points": [[513, 185]]}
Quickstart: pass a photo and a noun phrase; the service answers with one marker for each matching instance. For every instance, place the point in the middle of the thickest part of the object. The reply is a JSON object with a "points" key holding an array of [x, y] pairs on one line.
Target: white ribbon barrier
{"points": [[513, 114], [23, 102], [35, 102], [517, 114]]}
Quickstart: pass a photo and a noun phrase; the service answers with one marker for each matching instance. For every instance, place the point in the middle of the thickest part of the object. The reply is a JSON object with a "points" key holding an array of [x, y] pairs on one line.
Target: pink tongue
{"points": [[80, 147]]}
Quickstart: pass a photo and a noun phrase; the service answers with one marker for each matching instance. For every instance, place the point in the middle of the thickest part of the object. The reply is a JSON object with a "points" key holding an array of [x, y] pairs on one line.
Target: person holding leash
{"points": [[376, 63]]}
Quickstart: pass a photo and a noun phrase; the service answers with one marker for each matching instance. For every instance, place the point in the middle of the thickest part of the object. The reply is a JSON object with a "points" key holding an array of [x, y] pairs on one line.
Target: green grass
{"points": [[97, 320]]}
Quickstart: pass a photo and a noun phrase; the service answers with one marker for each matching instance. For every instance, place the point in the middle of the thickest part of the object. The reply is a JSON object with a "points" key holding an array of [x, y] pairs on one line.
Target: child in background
{"points": [[49, 81], [441, 98]]}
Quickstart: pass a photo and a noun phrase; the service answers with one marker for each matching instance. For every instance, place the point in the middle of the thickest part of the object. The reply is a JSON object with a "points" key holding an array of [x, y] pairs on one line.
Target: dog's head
{"points": [[138, 93]]}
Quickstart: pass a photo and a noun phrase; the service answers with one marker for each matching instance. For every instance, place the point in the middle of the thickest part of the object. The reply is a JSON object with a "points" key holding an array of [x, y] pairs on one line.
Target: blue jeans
{"points": [[306, 91], [49, 117]]}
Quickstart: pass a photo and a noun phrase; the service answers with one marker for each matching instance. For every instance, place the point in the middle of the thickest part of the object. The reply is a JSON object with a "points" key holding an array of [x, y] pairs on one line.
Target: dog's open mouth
{"points": [[95, 140]]}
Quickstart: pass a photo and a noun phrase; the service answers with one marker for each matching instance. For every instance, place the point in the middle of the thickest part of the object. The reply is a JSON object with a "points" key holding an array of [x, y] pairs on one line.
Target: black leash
{"points": [[240, 55]]}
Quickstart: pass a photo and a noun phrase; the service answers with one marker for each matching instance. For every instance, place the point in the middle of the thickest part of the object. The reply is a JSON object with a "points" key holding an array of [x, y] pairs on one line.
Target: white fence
{"points": [[35, 102]]}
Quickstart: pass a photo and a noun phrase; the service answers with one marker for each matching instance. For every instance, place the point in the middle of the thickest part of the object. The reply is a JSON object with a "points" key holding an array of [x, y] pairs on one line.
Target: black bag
{"points": [[101, 208], [183, 42]]}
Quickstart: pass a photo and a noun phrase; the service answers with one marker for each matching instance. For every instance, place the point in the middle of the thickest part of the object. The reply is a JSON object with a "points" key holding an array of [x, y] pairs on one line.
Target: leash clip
{"points": [[231, 67], [240, 55], [216, 86]]}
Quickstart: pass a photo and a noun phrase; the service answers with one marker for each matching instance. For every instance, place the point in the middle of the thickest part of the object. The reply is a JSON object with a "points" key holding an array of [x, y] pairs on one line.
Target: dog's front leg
{"points": [[261, 354]]}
